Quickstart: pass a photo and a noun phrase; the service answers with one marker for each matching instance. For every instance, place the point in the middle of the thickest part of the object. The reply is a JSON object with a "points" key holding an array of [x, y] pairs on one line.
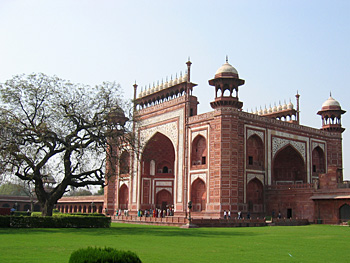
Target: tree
{"points": [[12, 189], [50, 127], [101, 191], [80, 192]]}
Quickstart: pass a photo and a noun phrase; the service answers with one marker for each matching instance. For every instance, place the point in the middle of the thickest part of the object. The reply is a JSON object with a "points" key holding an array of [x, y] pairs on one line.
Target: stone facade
{"points": [[261, 163]]}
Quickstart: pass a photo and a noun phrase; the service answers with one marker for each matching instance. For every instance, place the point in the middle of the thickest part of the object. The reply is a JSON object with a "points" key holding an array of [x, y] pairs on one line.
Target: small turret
{"points": [[226, 79], [331, 112]]}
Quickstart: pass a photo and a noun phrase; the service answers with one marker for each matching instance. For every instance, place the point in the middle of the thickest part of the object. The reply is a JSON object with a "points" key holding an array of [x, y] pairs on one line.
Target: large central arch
{"points": [[157, 172], [288, 167]]}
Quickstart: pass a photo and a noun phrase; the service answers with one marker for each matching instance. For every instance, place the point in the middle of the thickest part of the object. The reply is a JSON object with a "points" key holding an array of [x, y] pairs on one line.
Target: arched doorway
{"points": [[164, 199], [255, 196], [123, 197], [198, 195], [157, 171], [344, 212], [288, 167], [255, 153]]}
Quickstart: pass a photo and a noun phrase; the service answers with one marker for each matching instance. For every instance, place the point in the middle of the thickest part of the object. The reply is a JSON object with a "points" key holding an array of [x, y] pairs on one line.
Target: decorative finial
{"points": [[330, 94], [226, 59]]}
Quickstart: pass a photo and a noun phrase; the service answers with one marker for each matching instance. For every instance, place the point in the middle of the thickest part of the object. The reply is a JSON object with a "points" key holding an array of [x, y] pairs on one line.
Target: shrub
{"points": [[101, 255], [54, 222]]}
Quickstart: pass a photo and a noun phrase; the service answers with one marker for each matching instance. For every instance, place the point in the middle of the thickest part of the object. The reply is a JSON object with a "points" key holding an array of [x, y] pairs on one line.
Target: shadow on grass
{"points": [[136, 230]]}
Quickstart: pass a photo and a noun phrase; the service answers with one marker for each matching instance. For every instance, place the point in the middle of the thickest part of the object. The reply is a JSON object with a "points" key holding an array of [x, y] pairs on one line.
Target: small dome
{"points": [[184, 78], [274, 108], [290, 105], [226, 69], [280, 108], [331, 103]]}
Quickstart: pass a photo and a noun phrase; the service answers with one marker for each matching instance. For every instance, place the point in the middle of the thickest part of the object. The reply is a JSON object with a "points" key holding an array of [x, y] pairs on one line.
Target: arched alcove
{"points": [[255, 153], [255, 196], [318, 161], [164, 199], [288, 167], [124, 163], [198, 195], [158, 160], [199, 151], [123, 197], [344, 212]]}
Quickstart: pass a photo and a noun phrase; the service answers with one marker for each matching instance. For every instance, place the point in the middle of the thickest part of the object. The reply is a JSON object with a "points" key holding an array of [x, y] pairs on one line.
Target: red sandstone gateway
{"points": [[262, 163]]}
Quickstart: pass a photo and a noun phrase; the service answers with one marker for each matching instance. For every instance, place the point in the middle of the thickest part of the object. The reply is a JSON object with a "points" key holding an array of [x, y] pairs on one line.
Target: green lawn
{"points": [[316, 243]]}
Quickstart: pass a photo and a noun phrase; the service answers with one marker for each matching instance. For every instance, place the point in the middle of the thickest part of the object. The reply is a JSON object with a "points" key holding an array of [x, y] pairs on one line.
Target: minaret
{"points": [[226, 79], [189, 63], [135, 92], [298, 116], [331, 112]]}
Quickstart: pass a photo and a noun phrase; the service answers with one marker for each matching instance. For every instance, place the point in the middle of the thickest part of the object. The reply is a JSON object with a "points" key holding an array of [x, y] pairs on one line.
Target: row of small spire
{"points": [[274, 109], [147, 90]]}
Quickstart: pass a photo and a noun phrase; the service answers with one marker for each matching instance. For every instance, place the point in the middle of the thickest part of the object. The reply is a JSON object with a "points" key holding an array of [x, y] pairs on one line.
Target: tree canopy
{"points": [[51, 128], [12, 189]]}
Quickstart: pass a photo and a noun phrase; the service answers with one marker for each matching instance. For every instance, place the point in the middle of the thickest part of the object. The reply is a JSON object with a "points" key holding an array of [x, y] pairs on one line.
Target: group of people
{"points": [[148, 212], [227, 215], [157, 212], [119, 212]]}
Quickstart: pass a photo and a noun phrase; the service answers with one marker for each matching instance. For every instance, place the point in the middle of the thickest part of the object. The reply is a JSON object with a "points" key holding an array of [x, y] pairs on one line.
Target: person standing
{"points": [[229, 214], [225, 214]]}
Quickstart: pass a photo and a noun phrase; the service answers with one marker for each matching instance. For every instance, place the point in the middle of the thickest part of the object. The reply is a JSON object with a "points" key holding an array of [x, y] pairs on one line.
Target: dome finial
{"points": [[330, 94], [226, 59]]}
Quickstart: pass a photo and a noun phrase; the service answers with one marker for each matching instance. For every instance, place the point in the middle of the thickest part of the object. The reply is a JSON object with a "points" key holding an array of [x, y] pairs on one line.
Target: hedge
{"points": [[102, 255], [55, 222]]}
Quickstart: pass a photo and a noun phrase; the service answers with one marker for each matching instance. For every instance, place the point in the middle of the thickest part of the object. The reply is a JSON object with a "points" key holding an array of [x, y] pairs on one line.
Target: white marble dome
{"points": [[331, 103], [226, 68]]}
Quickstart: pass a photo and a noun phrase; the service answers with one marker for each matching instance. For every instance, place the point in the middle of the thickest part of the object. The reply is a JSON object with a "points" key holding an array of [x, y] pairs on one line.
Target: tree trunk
{"points": [[47, 209]]}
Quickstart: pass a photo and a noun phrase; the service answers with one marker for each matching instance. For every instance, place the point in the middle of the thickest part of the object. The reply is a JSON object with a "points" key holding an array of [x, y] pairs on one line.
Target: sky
{"points": [[278, 47]]}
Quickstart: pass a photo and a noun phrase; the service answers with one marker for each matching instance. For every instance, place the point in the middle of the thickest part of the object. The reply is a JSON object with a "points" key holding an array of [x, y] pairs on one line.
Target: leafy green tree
{"points": [[80, 192], [12, 189], [101, 191], [50, 127]]}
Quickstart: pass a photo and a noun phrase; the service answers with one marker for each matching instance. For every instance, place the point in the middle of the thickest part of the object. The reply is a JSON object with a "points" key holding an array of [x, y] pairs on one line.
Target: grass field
{"points": [[315, 243]]}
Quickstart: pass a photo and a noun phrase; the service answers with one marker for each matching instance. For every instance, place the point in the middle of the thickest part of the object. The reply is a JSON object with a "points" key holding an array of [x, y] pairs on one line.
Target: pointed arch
{"points": [[288, 167], [164, 199], [123, 197], [344, 212], [198, 195], [124, 163], [255, 153], [160, 150], [158, 168], [199, 151], [318, 161], [255, 196]]}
